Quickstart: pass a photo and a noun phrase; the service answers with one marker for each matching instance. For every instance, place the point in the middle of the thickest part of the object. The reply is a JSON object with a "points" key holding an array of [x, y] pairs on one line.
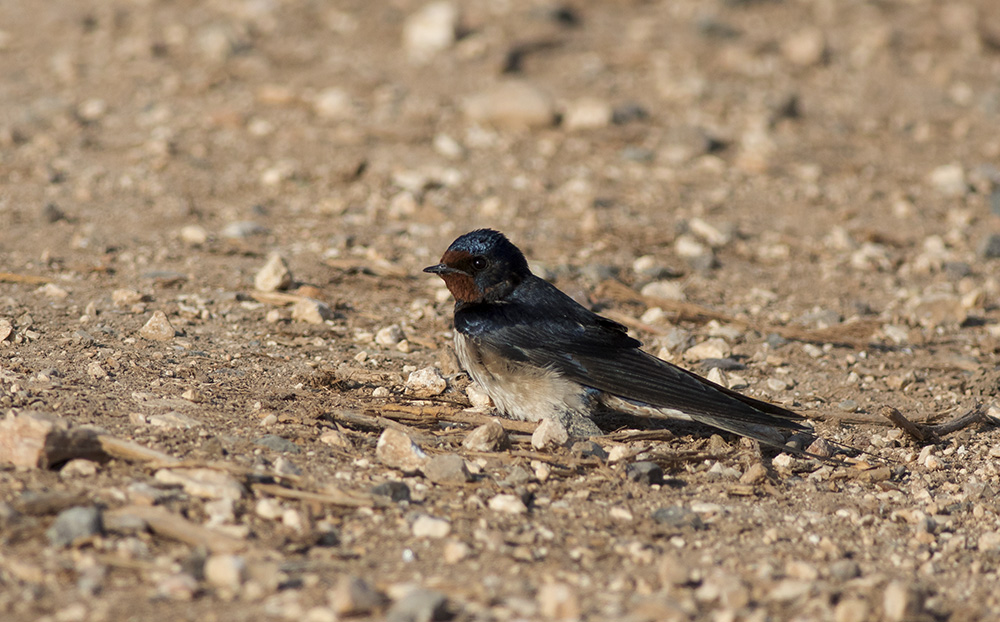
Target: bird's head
{"points": [[481, 266]]}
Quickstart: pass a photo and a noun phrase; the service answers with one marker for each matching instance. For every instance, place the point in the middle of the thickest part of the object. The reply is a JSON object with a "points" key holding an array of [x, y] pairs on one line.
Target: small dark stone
{"points": [[447, 469], [645, 473], [628, 112], [419, 606], [776, 341], [995, 201], [74, 524], [51, 213], [276, 443], [588, 449], [957, 269], [396, 491], [676, 516], [845, 570], [714, 29], [990, 247], [642, 155], [726, 364], [518, 476]]}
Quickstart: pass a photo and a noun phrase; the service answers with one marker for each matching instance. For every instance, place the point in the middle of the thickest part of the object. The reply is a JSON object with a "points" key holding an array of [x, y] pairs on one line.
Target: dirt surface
{"points": [[783, 168]]}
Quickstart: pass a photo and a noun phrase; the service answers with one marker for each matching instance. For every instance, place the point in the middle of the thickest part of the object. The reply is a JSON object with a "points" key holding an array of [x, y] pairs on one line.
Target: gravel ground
{"points": [[214, 216]]}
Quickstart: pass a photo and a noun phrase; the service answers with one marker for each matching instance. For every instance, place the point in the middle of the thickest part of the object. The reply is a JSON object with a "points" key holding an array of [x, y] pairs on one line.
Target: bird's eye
{"points": [[478, 263]]}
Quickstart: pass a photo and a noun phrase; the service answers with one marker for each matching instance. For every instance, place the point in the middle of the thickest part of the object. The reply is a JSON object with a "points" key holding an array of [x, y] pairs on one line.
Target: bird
{"points": [[540, 355]]}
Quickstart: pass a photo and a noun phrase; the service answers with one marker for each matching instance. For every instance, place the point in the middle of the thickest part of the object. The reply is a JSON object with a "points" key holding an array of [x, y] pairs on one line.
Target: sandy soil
{"points": [[809, 191]]}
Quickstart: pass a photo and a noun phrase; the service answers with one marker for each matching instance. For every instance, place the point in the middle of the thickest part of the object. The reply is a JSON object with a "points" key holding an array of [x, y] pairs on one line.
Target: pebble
{"points": [[269, 509], [805, 48], [178, 586], [989, 248], [989, 541], [311, 311], [699, 256], [455, 551], [447, 469], [158, 328], [96, 371], [508, 504], [667, 290], [78, 467], [174, 420], [74, 524], [677, 516], [195, 235], [714, 236], [512, 103], [353, 596], [389, 337], [430, 30], [901, 601], [226, 571], [558, 601], [430, 527], [845, 569], [202, 482], [588, 449], [397, 450], [6, 329], [949, 180], [851, 610], [51, 290], [396, 491], [478, 397], [488, 437], [426, 382], [549, 433], [333, 103], [419, 605], [714, 348], [277, 443], [587, 113], [645, 472], [778, 384], [335, 438], [274, 275], [126, 297], [242, 229], [755, 474]]}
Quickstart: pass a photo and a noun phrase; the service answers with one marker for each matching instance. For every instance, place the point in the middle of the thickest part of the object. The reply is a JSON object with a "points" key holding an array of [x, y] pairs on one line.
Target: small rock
{"points": [[755, 474], [269, 509], [78, 468], [96, 371], [353, 596], [699, 256], [426, 382], [645, 472], [851, 610], [805, 48], [395, 449], [6, 329], [389, 336], [195, 235], [74, 524], [51, 290], [901, 601], [447, 469], [202, 482], [511, 103], [126, 298], [335, 438], [508, 504], [778, 384], [488, 437], [455, 551], [989, 541], [714, 348], [180, 586], [276, 443], [311, 311], [430, 30], [243, 229], [672, 571], [173, 419], [158, 328], [677, 516], [226, 571], [587, 113], [949, 180], [274, 275], [558, 601], [478, 396], [419, 606], [549, 432], [430, 527], [989, 248], [667, 290], [845, 569], [333, 103], [395, 491]]}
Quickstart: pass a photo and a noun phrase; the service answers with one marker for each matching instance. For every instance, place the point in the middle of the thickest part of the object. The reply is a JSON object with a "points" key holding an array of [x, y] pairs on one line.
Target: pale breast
{"points": [[519, 390]]}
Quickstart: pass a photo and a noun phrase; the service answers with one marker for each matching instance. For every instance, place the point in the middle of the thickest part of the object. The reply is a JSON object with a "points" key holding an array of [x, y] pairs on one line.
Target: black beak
{"points": [[441, 269]]}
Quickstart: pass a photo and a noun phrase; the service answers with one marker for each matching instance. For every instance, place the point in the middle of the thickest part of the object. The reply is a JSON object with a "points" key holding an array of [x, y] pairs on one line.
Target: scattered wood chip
{"points": [[169, 525], [11, 277]]}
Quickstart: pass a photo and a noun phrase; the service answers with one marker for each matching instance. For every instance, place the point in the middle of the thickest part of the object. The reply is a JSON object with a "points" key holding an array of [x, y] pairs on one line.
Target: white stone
{"points": [[488, 437], [805, 48], [274, 275], [587, 113], [426, 382], [430, 30], [333, 103], [202, 482], [714, 348], [389, 336], [549, 432], [225, 571], [158, 328], [397, 450], [311, 311], [511, 103], [478, 396], [508, 504], [194, 235], [430, 527], [949, 180], [667, 290]]}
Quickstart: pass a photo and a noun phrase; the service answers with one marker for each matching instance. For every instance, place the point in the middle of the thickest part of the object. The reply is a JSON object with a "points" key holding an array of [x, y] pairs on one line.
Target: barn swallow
{"points": [[541, 355]]}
